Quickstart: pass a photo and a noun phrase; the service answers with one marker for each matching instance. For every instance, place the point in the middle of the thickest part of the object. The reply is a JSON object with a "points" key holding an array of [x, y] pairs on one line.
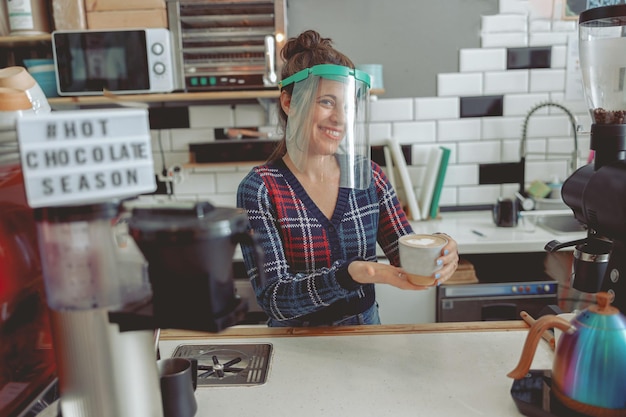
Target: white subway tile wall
{"points": [[486, 59], [495, 40], [503, 82], [459, 84], [559, 56], [434, 108], [424, 122], [504, 23]]}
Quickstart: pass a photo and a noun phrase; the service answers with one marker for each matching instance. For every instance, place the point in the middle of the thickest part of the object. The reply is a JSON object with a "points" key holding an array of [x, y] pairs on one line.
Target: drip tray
{"points": [[229, 365]]}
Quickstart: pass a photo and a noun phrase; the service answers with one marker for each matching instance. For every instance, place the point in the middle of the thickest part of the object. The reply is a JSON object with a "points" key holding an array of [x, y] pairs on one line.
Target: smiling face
{"points": [[328, 118], [322, 125]]}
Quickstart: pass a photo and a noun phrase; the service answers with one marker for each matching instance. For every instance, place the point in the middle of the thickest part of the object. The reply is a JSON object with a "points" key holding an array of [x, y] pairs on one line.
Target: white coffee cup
{"points": [[418, 256]]}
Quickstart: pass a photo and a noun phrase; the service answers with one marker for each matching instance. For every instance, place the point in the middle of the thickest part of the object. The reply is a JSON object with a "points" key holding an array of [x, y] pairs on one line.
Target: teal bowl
{"points": [[42, 70]]}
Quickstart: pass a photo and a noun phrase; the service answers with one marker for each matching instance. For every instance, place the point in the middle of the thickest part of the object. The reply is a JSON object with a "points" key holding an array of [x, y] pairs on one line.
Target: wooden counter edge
{"points": [[261, 331]]}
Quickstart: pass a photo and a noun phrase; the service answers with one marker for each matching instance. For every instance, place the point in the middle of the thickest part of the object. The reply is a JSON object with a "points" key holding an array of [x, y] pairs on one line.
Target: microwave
{"points": [[121, 61]]}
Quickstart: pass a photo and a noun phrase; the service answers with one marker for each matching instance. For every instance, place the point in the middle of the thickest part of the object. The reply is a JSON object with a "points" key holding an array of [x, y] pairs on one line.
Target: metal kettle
{"points": [[589, 368]]}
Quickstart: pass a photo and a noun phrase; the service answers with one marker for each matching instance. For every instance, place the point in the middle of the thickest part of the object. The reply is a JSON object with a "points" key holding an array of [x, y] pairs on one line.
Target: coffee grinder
{"points": [[597, 192]]}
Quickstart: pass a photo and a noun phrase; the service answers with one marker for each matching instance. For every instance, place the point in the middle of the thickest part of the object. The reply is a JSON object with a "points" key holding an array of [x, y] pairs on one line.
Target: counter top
{"points": [[440, 369], [463, 225]]}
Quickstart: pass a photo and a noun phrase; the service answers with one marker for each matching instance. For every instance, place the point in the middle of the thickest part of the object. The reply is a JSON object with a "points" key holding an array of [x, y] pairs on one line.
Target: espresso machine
{"points": [[597, 192], [117, 269]]}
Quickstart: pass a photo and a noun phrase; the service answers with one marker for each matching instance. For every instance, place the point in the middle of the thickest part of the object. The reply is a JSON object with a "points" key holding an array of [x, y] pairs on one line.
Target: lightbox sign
{"points": [[85, 156]]}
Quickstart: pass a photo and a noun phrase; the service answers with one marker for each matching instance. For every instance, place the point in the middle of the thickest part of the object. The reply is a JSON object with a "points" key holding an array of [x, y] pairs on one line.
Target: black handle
{"points": [[555, 245], [259, 256]]}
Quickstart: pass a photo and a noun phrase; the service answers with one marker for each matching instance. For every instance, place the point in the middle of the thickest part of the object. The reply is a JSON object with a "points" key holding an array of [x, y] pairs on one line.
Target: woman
{"points": [[319, 206]]}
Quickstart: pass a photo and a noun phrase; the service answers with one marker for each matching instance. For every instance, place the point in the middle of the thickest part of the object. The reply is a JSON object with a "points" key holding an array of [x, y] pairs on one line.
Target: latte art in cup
{"points": [[426, 241], [419, 254]]}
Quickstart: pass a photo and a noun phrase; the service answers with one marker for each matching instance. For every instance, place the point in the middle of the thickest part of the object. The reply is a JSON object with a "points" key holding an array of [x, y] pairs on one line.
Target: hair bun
{"points": [[307, 41]]}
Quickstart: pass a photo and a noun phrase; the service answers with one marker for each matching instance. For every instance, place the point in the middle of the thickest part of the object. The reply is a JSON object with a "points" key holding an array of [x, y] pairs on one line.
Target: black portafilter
{"points": [[596, 193]]}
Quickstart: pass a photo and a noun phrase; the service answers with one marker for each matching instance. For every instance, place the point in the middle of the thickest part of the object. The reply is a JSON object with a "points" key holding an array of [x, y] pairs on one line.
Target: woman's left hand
{"points": [[450, 260]]}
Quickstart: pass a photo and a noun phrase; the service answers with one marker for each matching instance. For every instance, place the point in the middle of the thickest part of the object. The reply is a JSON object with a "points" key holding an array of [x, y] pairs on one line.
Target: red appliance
{"points": [[27, 364]]}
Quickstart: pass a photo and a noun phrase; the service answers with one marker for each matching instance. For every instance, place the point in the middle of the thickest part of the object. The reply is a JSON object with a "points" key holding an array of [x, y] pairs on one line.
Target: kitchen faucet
{"points": [[574, 155]]}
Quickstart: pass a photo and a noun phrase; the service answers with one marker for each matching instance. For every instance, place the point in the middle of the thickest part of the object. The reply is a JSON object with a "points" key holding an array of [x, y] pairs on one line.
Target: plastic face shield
{"points": [[328, 117]]}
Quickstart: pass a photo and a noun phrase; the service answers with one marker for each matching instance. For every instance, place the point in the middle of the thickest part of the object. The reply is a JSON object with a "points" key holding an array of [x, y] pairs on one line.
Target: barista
{"points": [[319, 205]]}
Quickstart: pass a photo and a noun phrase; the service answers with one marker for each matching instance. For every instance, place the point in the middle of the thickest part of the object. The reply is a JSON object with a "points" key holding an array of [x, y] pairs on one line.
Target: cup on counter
{"points": [[505, 212], [418, 256], [178, 377]]}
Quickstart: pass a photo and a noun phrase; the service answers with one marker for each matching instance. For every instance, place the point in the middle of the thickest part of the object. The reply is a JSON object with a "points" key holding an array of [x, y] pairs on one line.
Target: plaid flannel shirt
{"points": [[307, 254]]}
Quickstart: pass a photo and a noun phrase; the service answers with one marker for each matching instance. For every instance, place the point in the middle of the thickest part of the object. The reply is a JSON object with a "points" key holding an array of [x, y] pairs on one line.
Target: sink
{"points": [[555, 221]]}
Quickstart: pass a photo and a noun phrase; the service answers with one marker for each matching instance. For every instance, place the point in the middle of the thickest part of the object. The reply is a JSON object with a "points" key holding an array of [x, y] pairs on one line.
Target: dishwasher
{"points": [[507, 285]]}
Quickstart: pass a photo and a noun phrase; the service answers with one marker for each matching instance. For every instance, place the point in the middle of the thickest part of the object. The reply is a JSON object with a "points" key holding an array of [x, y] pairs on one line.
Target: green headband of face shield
{"points": [[328, 71]]}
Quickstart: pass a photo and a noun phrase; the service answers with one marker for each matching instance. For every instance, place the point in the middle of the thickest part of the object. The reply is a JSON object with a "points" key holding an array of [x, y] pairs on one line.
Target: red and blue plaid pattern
{"points": [[307, 254]]}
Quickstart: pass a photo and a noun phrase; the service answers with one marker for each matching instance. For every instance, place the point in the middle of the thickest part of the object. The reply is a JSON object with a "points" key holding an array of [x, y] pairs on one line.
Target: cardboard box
{"points": [[127, 19], [69, 14], [108, 5]]}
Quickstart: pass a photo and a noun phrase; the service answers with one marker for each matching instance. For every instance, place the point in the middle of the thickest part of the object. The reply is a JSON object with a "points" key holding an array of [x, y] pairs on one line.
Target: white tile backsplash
{"points": [[520, 104], [459, 84], [181, 138], [229, 181], [505, 82], [508, 40], [501, 127], [547, 38], [415, 132], [511, 150], [435, 108], [565, 25], [249, 115], [558, 57], [379, 132], [482, 59], [168, 159], [539, 25], [480, 194], [546, 80], [194, 183], [462, 175], [535, 149], [211, 116], [560, 145], [394, 109], [458, 130], [546, 126], [502, 23], [545, 170], [479, 152]]}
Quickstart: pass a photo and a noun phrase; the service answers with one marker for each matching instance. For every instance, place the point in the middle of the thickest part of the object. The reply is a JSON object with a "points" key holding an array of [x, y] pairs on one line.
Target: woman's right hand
{"points": [[365, 272]]}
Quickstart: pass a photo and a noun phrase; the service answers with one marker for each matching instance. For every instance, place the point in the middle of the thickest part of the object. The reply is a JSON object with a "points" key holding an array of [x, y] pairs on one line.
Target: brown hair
{"points": [[304, 51]]}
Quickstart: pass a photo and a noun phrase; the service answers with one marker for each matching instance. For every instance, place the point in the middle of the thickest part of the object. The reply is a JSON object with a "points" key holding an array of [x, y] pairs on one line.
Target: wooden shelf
{"points": [[24, 40], [198, 97], [165, 98]]}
